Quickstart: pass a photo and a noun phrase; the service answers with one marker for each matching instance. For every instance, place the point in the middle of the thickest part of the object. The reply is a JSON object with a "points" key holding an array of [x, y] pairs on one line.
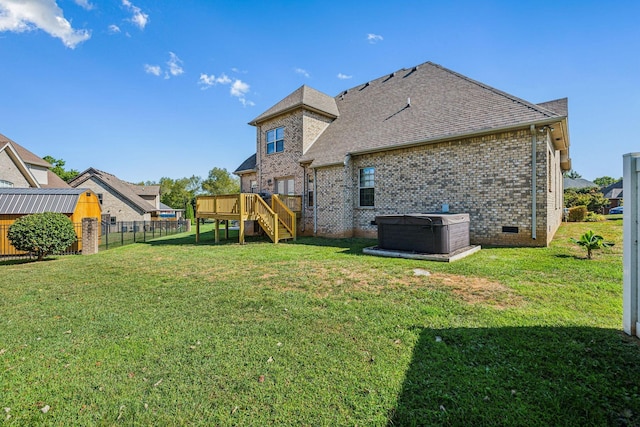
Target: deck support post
{"points": [[197, 230], [217, 232], [226, 229]]}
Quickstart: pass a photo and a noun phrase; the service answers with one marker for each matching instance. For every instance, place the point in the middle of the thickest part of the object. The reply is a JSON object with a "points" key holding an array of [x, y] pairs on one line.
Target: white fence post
{"points": [[630, 309]]}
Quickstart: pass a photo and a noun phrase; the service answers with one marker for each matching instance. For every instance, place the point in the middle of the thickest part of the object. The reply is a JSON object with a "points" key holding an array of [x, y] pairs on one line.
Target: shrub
{"points": [[577, 213], [594, 217], [42, 234]]}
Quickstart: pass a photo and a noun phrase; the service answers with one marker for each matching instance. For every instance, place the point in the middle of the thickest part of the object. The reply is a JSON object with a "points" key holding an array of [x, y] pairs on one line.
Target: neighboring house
{"points": [[577, 183], [423, 139], [613, 192], [20, 168], [75, 203], [121, 200]]}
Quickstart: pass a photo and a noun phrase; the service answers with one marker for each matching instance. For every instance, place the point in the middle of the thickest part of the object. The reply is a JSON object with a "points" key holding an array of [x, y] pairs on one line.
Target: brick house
{"points": [[123, 201], [423, 139]]}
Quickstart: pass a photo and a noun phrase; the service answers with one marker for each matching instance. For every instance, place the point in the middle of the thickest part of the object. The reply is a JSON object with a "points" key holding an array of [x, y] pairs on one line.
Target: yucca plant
{"points": [[591, 241]]}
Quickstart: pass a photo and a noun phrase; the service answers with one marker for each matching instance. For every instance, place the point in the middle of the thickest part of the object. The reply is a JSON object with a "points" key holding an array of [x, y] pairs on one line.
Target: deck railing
{"points": [[250, 206], [287, 217]]}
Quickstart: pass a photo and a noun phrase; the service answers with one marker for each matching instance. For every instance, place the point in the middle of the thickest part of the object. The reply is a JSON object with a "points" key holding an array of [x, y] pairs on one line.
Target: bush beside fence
{"points": [[111, 236]]}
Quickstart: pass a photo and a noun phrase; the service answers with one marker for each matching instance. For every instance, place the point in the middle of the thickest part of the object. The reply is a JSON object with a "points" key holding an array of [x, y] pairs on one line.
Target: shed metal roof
{"points": [[24, 201]]}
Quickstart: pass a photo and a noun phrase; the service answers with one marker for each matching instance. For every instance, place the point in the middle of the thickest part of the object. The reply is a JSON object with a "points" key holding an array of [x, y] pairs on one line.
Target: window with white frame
{"points": [[285, 186], [5, 184], [367, 187], [275, 140], [254, 185]]}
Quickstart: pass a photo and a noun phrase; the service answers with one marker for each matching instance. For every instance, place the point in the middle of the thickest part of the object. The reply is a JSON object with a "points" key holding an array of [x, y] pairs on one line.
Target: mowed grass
{"points": [[315, 333]]}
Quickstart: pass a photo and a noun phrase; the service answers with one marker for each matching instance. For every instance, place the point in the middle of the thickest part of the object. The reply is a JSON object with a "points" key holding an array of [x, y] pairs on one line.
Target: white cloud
{"points": [[173, 69], [19, 16], [152, 69], [174, 64], [114, 29], [138, 17], [343, 76], [239, 88], [374, 38], [84, 4], [302, 71], [207, 81]]}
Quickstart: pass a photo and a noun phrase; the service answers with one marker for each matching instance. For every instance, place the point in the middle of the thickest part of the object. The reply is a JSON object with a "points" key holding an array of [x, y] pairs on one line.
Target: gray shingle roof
{"points": [[411, 106], [304, 96], [613, 191], [26, 155], [248, 165], [125, 189], [577, 183], [24, 201]]}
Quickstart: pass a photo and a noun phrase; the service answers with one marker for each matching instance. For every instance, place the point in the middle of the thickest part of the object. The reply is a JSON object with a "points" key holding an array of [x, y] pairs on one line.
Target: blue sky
{"points": [[151, 88]]}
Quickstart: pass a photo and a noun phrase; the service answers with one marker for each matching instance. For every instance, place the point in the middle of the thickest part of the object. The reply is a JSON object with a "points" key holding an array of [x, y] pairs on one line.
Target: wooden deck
{"points": [[279, 221]]}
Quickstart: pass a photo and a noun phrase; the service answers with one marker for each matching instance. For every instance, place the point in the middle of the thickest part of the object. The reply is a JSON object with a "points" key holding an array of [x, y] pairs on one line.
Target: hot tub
{"points": [[433, 233]]}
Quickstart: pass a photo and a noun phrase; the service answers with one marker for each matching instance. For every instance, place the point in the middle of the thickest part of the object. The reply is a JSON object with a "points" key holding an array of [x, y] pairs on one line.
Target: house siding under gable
{"points": [[9, 171], [488, 177]]}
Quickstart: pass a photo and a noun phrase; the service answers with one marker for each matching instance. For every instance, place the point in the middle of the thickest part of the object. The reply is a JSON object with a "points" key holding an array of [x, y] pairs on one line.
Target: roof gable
{"points": [[422, 104], [306, 97], [26, 155], [123, 188]]}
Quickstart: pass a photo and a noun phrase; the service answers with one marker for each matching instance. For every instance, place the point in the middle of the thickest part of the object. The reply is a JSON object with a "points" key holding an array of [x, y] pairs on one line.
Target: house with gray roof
{"points": [[20, 168], [420, 139], [124, 201]]}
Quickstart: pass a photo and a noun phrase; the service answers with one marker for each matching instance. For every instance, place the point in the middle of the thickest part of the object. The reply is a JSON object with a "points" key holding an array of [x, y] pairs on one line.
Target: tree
{"points": [[591, 241], [174, 192], [58, 168], [571, 174], [220, 182], [605, 181], [590, 197], [42, 234], [189, 213]]}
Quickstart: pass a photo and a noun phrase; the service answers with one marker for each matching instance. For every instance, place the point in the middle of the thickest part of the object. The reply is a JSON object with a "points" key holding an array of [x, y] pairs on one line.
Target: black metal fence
{"points": [[8, 251], [126, 232], [111, 236]]}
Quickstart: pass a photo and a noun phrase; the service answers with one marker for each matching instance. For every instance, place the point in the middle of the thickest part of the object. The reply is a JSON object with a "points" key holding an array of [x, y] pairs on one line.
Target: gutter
{"points": [[315, 201], [534, 159]]}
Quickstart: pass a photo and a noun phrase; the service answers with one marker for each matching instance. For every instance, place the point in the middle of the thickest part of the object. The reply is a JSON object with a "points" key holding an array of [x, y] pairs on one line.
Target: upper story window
{"points": [[5, 184], [367, 187], [275, 140], [99, 197]]}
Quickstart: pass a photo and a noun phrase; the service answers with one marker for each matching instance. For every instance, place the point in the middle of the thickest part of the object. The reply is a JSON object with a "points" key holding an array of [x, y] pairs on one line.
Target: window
{"points": [[310, 190], [254, 186], [367, 187], [275, 140], [100, 198], [6, 184], [285, 186], [112, 220]]}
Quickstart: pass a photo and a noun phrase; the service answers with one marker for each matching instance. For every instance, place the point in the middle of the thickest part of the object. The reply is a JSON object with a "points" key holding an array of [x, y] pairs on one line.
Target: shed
{"points": [[75, 203]]}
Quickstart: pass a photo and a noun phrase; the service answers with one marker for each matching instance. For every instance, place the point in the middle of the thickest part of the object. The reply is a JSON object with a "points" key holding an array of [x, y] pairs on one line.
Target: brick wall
{"points": [[488, 177], [301, 128]]}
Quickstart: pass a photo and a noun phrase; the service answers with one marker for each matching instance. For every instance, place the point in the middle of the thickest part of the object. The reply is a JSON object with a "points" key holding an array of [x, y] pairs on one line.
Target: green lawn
{"points": [[315, 333]]}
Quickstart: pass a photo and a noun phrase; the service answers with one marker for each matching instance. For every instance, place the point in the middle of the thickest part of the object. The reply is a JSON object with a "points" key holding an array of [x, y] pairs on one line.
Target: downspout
{"points": [[534, 161], [315, 201]]}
